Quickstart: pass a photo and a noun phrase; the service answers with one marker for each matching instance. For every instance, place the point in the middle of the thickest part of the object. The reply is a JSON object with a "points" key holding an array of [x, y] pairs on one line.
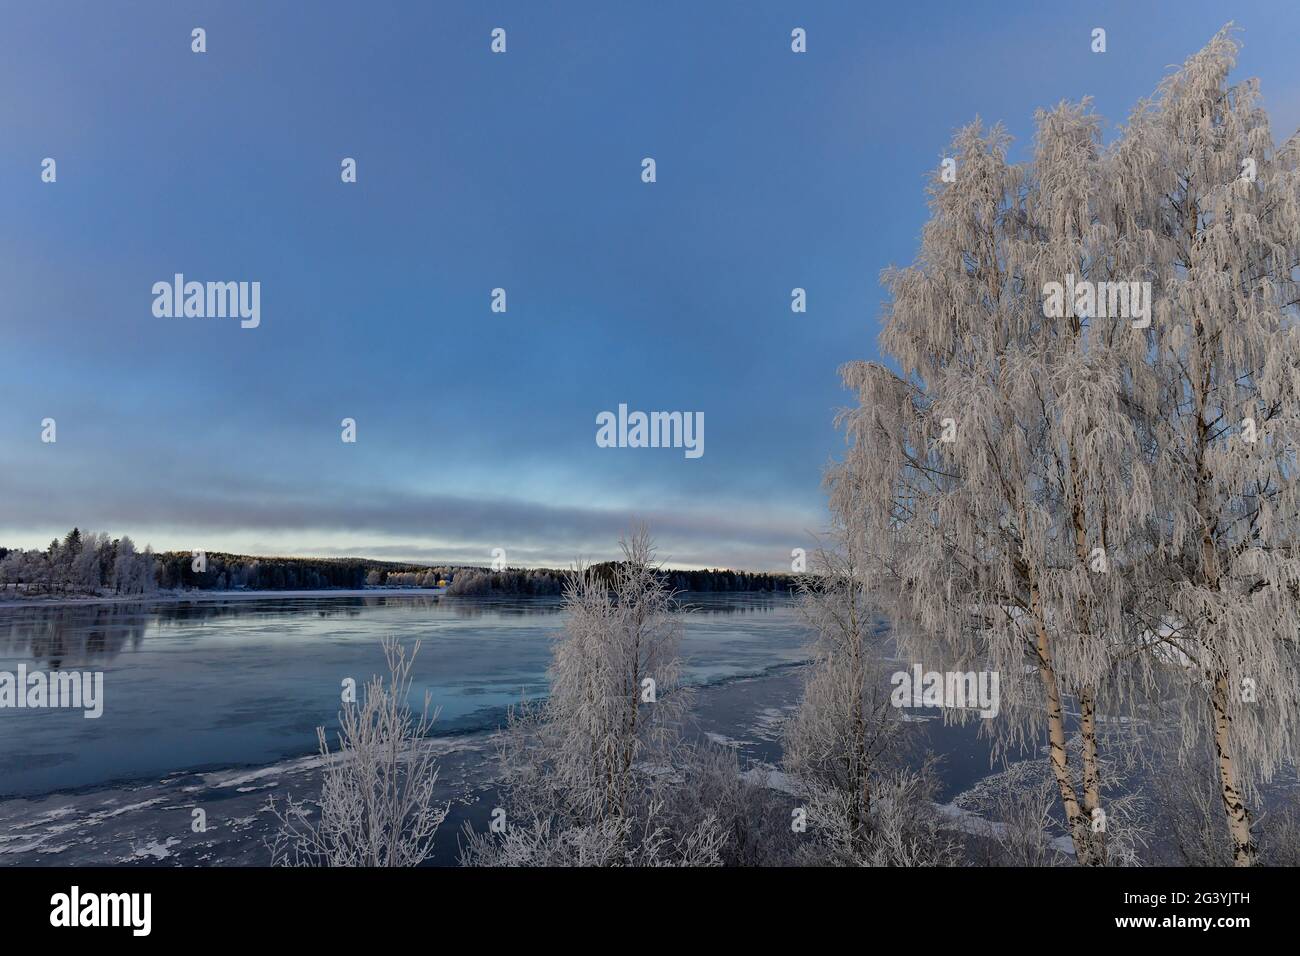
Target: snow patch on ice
{"points": [[774, 779], [159, 851]]}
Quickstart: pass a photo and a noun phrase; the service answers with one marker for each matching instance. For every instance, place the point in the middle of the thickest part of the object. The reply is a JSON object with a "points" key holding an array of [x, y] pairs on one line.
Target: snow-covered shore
{"points": [[155, 822]]}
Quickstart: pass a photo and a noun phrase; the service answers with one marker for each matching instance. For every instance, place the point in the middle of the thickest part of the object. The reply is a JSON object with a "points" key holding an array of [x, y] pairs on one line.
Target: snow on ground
{"points": [[153, 822], [968, 821]]}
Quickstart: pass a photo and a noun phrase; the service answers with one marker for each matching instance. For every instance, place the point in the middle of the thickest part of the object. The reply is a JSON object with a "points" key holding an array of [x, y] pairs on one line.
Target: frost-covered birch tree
{"points": [[1086, 461], [1207, 204], [985, 470], [845, 743], [616, 699], [377, 803], [87, 570], [585, 771], [133, 571]]}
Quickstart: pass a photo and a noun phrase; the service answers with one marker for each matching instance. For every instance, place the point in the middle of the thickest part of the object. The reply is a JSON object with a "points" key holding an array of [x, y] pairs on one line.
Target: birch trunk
{"points": [[1244, 849], [1058, 756]]}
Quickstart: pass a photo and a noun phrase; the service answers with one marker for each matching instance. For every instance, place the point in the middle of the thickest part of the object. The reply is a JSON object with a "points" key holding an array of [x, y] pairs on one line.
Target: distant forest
{"points": [[90, 563]]}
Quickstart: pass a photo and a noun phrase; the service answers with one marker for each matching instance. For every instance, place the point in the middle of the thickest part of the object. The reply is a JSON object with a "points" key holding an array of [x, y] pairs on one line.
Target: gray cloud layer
{"points": [[400, 525]]}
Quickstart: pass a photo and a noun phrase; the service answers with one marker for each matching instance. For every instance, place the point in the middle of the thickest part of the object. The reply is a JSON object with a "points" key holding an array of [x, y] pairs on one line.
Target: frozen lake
{"points": [[245, 682], [213, 704]]}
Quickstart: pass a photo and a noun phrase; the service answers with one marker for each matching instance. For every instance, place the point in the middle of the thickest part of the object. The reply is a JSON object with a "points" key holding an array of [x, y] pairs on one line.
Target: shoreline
{"points": [[180, 597]]}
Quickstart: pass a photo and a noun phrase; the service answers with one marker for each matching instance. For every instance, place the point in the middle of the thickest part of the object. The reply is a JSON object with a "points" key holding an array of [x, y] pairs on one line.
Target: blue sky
{"points": [[477, 430]]}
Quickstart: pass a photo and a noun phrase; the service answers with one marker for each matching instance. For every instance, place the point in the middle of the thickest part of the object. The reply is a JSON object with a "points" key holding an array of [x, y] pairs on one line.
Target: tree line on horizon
{"points": [[92, 563], [80, 564]]}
